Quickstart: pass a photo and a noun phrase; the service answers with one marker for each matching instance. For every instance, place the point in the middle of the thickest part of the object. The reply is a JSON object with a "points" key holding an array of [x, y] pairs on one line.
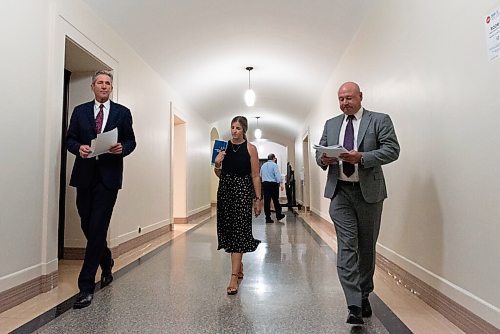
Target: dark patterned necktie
{"points": [[99, 119], [349, 145]]}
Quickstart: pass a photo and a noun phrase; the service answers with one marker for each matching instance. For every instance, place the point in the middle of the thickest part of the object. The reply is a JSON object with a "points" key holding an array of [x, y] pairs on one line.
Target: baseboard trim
{"points": [[23, 292], [451, 310], [461, 317], [73, 253], [140, 240], [199, 214], [181, 220]]}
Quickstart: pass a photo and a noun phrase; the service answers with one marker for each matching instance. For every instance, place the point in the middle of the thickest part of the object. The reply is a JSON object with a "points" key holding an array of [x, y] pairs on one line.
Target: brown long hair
{"points": [[244, 124]]}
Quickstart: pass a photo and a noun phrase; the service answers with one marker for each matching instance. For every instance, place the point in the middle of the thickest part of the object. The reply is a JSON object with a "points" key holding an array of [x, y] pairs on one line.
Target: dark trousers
{"points": [[95, 206], [290, 194], [271, 192]]}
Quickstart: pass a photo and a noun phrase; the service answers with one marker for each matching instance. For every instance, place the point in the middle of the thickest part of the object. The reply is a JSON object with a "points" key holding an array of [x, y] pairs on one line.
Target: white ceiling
{"points": [[201, 48]]}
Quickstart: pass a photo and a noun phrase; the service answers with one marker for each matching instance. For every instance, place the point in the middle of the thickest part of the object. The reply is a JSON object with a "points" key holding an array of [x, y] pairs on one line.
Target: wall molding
{"points": [[140, 240], [451, 310], [73, 253], [78, 253], [27, 290], [200, 213]]}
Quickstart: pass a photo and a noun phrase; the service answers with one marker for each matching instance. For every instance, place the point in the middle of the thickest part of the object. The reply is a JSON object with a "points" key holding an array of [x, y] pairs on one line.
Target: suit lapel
{"points": [[363, 126], [112, 117], [90, 116], [337, 125]]}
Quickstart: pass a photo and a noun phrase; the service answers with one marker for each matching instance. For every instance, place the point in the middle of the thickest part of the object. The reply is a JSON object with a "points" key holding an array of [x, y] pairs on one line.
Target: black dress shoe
{"points": [[269, 221], [354, 317], [366, 309], [83, 300], [280, 217], [106, 280], [107, 276]]}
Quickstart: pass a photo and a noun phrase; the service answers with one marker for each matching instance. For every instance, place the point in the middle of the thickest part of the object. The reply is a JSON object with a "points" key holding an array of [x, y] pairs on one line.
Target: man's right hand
{"points": [[325, 161], [85, 151]]}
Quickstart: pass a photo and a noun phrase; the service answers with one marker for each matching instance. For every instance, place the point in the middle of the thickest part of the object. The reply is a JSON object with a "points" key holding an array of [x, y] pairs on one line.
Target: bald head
{"points": [[350, 98]]}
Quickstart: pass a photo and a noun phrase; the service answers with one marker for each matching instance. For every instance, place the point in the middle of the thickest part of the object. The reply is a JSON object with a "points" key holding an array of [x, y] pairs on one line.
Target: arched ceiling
{"points": [[201, 48]]}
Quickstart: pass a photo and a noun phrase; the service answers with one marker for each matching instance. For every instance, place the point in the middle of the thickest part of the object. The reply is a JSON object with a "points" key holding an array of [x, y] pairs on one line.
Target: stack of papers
{"points": [[103, 143], [333, 151]]}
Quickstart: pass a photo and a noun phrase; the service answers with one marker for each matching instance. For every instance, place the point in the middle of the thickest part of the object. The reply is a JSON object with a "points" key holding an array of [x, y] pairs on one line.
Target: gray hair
{"points": [[102, 72]]}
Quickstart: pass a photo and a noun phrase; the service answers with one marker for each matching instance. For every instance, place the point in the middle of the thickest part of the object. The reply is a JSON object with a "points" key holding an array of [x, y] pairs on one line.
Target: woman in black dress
{"points": [[239, 189]]}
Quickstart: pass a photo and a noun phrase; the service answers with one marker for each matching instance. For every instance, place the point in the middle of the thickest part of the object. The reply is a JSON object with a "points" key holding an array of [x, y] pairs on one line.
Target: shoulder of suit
{"points": [[333, 119], [374, 113], [117, 105], [85, 106]]}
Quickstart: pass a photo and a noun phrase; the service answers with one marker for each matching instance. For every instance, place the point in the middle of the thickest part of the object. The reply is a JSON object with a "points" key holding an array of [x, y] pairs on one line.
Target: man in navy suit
{"points": [[97, 179], [356, 187]]}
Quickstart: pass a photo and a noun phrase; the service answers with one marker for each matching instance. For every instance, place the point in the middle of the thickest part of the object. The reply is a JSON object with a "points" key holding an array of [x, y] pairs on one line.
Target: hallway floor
{"points": [[177, 283]]}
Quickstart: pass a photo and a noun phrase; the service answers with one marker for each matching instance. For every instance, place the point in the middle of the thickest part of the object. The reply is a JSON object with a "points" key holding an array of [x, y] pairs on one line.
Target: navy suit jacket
{"points": [[82, 130]]}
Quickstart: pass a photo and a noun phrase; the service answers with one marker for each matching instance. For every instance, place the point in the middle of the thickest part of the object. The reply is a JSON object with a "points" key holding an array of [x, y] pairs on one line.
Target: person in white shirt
{"points": [[271, 182]]}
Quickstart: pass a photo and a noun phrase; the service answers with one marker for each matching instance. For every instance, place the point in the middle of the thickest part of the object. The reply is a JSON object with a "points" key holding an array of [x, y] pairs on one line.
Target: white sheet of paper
{"points": [[330, 151], [103, 142]]}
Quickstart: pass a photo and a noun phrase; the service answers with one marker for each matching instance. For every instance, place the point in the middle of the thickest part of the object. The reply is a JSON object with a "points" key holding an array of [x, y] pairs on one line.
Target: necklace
{"points": [[237, 147]]}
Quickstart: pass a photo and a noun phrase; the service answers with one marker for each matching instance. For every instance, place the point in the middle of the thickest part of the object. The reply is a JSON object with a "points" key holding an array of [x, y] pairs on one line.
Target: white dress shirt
{"points": [[355, 123]]}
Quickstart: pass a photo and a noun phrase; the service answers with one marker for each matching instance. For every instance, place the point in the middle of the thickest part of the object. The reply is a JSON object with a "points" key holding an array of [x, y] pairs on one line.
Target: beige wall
{"points": [[33, 90], [425, 63], [22, 174]]}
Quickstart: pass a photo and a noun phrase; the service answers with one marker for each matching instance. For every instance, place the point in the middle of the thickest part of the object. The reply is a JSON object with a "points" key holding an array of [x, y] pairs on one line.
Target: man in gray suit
{"points": [[356, 187]]}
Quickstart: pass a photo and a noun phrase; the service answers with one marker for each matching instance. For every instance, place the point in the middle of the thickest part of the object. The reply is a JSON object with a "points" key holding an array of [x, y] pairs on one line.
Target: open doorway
{"points": [[179, 170], [304, 182], [214, 180], [79, 66]]}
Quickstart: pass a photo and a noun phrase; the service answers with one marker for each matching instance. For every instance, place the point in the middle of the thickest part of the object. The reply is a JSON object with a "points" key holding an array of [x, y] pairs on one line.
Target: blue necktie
{"points": [[349, 145]]}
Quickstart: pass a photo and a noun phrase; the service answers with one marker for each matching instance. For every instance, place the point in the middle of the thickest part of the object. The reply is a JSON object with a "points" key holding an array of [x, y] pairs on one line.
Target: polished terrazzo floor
{"points": [[290, 286], [396, 303]]}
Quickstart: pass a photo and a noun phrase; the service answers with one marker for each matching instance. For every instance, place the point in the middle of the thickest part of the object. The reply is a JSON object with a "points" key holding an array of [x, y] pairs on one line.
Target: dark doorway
{"points": [[62, 172]]}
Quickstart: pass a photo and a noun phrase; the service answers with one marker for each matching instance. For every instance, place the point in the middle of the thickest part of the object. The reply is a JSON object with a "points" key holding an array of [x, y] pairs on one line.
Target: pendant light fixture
{"points": [[249, 94], [258, 132]]}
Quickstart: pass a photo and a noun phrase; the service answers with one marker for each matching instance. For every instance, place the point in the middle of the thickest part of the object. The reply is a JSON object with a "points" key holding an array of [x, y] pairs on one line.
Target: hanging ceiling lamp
{"points": [[258, 132], [249, 94]]}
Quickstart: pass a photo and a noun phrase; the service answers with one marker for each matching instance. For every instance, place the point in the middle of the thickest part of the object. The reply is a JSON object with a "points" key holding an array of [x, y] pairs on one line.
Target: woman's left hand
{"points": [[257, 207], [219, 158]]}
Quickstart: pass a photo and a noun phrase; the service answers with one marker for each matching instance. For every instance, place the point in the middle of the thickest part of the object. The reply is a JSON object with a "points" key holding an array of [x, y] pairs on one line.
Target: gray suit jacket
{"points": [[378, 144]]}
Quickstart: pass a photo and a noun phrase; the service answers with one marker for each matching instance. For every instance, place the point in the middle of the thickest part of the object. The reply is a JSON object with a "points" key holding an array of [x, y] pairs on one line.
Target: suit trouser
{"points": [[357, 224], [95, 207], [271, 192]]}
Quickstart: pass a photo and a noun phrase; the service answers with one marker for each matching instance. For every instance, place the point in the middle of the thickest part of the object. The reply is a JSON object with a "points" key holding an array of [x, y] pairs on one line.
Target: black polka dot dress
{"points": [[234, 202]]}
